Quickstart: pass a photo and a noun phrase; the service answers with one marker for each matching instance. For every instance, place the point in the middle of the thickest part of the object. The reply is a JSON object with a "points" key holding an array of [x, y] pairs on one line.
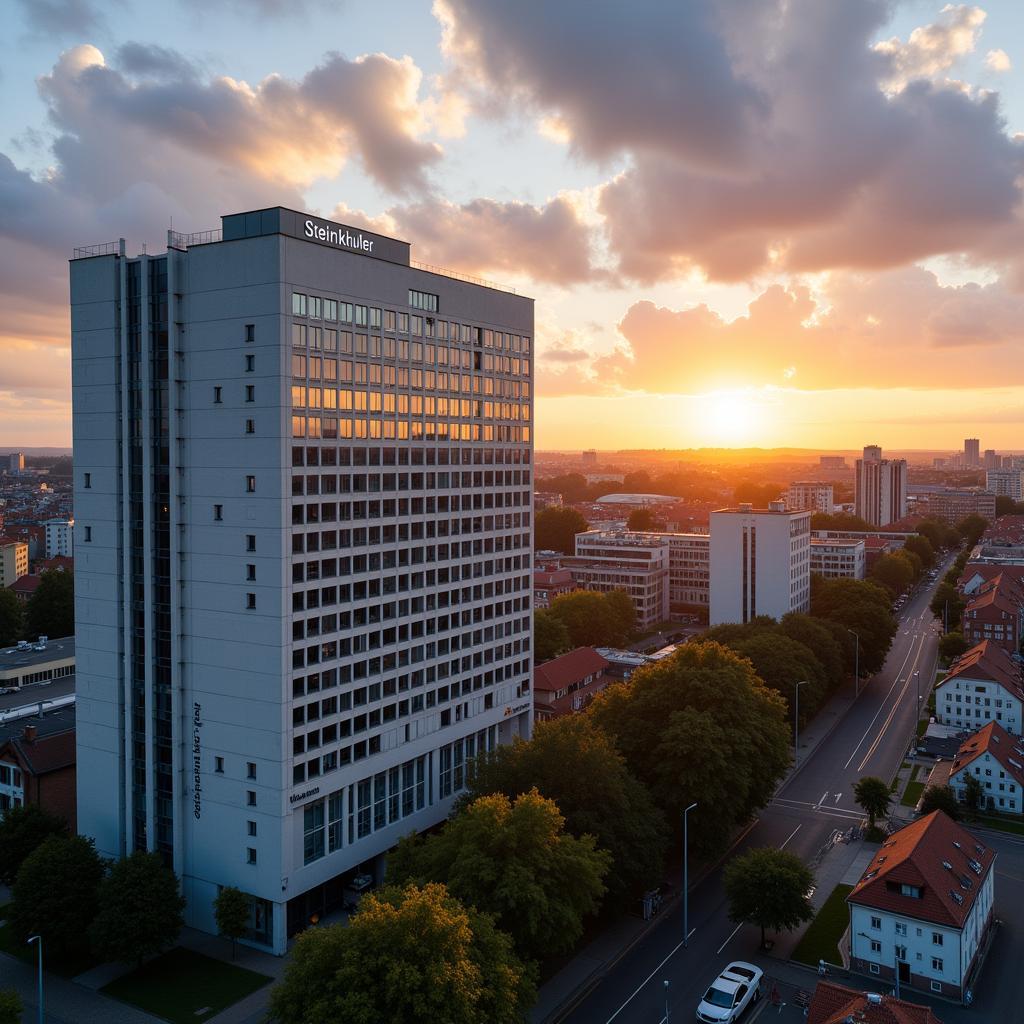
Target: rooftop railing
{"points": [[101, 249], [456, 275]]}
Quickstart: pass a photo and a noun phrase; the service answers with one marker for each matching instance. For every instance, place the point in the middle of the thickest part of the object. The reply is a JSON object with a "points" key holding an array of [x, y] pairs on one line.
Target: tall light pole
{"points": [[796, 724], [856, 663], [39, 940], [666, 1001], [686, 878], [917, 710]]}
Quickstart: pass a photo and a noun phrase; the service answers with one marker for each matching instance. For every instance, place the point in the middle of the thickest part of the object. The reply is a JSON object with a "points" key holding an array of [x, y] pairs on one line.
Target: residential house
{"points": [[983, 685], [996, 760], [922, 910], [568, 683], [995, 611], [37, 763], [836, 1004]]}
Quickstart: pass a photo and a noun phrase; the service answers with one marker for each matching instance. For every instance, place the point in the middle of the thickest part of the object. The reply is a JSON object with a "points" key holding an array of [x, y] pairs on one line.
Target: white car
{"points": [[736, 988]]}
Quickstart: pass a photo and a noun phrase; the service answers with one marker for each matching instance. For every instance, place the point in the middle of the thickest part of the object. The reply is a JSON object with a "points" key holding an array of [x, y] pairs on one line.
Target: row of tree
{"points": [[583, 618], [50, 611], [948, 603]]}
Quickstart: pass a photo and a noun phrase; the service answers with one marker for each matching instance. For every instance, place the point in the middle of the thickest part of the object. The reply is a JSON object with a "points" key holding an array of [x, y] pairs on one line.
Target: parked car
{"points": [[736, 988]]}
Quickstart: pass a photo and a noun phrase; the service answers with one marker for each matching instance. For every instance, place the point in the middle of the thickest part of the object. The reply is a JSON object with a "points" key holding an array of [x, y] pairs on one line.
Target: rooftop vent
{"points": [[975, 866], [965, 882], [947, 865], [956, 898], [956, 844], [874, 998]]}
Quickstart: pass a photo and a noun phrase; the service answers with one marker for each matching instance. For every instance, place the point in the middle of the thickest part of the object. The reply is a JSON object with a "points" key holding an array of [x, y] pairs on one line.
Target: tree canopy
{"points": [[782, 662], [139, 909], [593, 619], [920, 545], [860, 605], [51, 609], [12, 618], [699, 726], [11, 1006], [894, 572], [550, 636], [768, 888], [874, 796], [598, 797], [22, 830], [643, 519], [408, 955], [515, 860], [941, 798], [231, 911], [947, 605], [55, 894], [556, 527], [952, 645]]}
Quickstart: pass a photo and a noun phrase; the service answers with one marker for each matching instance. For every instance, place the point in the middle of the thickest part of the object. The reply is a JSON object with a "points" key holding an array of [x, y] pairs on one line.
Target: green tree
{"points": [[699, 726], [231, 911], [893, 572], [622, 616], [781, 663], [642, 519], [952, 645], [55, 895], [971, 528], [873, 795], [140, 909], [409, 955], [861, 605], [11, 1006], [556, 527], [840, 521], [919, 545], [938, 533], [12, 618], [974, 795], [550, 637], [515, 860], [1006, 506], [947, 605], [757, 494], [940, 798], [768, 888], [825, 640], [595, 620], [51, 609], [599, 797], [22, 830]]}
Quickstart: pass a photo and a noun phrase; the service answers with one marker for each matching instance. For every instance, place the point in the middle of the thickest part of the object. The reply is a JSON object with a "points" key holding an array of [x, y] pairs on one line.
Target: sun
{"points": [[731, 418]]}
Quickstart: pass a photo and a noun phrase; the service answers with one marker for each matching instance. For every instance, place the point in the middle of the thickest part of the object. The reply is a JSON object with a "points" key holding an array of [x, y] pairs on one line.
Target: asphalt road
{"points": [[870, 739]]}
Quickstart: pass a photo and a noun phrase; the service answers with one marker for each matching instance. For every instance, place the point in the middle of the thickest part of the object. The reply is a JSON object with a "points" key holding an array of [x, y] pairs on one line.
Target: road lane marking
{"points": [[881, 708], [838, 795], [892, 711], [676, 948]]}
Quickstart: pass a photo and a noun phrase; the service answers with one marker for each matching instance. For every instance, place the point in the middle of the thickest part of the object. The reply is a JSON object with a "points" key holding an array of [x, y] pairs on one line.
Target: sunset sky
{"points": [[744, 222]]}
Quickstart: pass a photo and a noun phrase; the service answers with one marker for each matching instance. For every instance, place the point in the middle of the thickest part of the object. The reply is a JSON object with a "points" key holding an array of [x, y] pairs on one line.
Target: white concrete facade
{"points": [[760, 561], [969, 704], [1001, 792], [60, 538], [812, 494], [1005, 483], [838, 558], [303, 586], [880, 488]]}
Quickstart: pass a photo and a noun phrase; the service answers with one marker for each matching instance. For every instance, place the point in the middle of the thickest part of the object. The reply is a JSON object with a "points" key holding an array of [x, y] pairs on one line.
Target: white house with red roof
{"points": [[983, 685], [922, 910], [568, 683], [996, 760]]}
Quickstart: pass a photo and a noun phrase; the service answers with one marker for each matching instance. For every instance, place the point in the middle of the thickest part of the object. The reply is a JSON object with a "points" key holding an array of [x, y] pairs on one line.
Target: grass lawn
{"points": [[184, 987], [821, 940], [912, 794]]}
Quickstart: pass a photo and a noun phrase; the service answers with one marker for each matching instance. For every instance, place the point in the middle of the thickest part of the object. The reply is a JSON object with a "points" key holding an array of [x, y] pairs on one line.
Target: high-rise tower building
{"points": [[303, 479], [880, 490], [972, 452]]}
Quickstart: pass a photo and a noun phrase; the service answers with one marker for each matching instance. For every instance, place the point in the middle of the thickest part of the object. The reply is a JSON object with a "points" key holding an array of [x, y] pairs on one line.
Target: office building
{"points": [[816, 496], [13, 560], [972, 453], [760, 561], [991, 459], [1005, 483], [880, 494], [16, 462], [589, 457], [59, 538], [838, 558], [635, 563], [303, 487], [956, 504], [832, 462]]}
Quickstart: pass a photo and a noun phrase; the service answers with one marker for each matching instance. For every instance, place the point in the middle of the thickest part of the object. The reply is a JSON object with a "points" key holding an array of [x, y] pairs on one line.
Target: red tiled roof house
{"points": [[568, 683], [923, 908], [983, 685]]}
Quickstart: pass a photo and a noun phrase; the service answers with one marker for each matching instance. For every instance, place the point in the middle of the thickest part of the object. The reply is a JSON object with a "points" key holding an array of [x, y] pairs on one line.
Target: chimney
{"points": [[30, 734], [874, 998]]}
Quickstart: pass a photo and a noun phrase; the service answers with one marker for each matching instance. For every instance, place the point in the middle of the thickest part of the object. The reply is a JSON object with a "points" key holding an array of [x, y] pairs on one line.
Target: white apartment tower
{"points": [[760, 562], [812, 494], [1008, 483], [59, 537], [880, 490], [303, 479]]}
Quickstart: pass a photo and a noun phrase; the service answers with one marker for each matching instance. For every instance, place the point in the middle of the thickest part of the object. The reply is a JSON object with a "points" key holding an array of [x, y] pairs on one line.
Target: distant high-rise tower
{"points": [[992, 459], [972, 452], [880, 494], [589, 457]]}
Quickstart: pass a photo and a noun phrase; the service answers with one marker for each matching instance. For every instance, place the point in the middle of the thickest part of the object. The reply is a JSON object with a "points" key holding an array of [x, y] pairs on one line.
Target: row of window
{"points": [[314, 399], [405, 456], [331, 428]]}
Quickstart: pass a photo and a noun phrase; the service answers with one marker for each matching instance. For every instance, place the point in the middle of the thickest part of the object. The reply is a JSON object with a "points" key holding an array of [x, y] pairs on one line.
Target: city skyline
{"points": [[698, 283]]}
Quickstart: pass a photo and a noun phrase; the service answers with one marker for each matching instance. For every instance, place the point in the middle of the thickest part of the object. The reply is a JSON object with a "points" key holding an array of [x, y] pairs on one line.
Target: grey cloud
{"points": [[151, 60], [61, 18]]}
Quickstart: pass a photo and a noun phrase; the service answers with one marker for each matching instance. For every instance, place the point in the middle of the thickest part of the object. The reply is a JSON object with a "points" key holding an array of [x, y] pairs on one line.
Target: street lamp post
{"points": [[666, 1002], [39, 940], [686, 878], [856, 663], [796, 724], [917, 710]]}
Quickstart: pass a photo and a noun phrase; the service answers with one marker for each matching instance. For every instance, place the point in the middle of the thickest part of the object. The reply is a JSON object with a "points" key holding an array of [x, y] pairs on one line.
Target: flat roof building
{"points": [[760, 562], [303, 490], [880, 488], [838, 558], [812, 494]]}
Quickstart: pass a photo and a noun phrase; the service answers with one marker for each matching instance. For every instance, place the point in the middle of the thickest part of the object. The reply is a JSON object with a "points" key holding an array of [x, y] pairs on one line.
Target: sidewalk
{"points": [[599, 956]]}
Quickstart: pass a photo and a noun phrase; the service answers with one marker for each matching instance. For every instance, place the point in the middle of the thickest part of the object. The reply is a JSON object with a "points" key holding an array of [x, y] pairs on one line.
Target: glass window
{"points": [[315, 307], [330, 309], [313, 832], [298, 304]]}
